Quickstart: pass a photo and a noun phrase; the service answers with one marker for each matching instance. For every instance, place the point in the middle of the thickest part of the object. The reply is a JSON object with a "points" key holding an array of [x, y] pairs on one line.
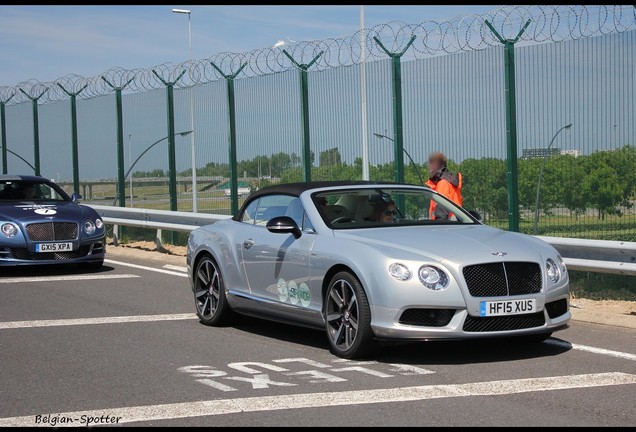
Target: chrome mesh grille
{"points": [[52, 231], [503, 279]]}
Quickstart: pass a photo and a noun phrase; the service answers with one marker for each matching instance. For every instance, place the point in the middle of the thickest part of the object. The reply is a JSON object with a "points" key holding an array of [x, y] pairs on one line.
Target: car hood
{"points": [[473, 243], [29, 211]]}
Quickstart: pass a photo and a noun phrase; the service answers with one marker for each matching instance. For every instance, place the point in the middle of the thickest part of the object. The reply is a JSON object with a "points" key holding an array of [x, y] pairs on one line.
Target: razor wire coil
{"points": [[550, 23]]}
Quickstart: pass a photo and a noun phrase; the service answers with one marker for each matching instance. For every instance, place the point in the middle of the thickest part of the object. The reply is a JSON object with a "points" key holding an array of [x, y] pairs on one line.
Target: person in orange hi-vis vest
{"points": [[444, 182]]}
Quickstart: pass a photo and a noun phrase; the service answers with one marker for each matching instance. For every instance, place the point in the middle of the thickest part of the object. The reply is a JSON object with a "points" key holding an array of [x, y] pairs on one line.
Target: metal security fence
{"points": [[534, 105]]}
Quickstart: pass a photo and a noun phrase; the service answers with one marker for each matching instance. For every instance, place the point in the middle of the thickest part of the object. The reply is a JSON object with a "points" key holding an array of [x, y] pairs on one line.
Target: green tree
{"points": [[146, 174], [330, 157], [605, 188], [573, 195], [485, 186]]}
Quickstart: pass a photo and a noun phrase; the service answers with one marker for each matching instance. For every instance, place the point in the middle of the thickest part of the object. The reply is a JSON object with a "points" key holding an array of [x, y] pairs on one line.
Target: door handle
{"points": [[248, 243]]}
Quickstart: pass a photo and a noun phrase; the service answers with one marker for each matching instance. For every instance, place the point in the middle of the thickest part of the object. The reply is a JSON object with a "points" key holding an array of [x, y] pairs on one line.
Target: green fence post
{"points": [[36, 129], [304, 107], [172, 159], [172, 164], [121, 186], [232, 135], [74, 146], [511, 126], [396, 81], [3, 125]]}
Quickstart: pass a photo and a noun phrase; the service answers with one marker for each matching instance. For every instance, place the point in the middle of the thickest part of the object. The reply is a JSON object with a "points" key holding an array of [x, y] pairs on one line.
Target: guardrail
{"points": [[599, 256]]}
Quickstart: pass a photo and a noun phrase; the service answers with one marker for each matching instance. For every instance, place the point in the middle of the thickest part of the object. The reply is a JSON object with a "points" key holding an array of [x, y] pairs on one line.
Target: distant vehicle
{"points": [[332, 256], [40, 224], [241, 191]]}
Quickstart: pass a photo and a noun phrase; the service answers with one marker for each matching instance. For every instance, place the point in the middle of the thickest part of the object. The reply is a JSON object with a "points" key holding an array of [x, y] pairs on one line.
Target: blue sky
{"points": [[48, 42]]}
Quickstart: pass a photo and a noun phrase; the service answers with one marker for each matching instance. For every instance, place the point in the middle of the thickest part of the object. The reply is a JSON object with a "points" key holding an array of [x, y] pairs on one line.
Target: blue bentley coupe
{"points": [[40, 224]]}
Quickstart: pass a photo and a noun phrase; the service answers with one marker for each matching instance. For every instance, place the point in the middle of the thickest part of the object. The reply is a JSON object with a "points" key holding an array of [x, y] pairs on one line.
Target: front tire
{"points": [[348, 318], [209, 293]]}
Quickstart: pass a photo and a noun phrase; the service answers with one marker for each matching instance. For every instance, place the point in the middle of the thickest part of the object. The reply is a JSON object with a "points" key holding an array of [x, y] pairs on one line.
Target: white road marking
{"points": [[181, 274], [66, 278], [590, 349], [102, 320], [326, 399], [182, 269]]}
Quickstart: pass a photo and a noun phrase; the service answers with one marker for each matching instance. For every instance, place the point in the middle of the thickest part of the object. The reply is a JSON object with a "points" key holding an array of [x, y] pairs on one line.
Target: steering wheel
{"points": [[343, 219]]}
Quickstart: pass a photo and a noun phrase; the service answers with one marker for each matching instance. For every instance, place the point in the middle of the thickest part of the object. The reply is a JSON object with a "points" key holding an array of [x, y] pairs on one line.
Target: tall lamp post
{"points": [[545, 156], [132, 165], [381, 136], [131, 179], [194, 164], [19, 157]]}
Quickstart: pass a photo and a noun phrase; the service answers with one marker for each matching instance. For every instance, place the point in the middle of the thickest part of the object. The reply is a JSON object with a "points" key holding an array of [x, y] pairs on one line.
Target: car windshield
{"points": [[23, 190], [386, 207]]}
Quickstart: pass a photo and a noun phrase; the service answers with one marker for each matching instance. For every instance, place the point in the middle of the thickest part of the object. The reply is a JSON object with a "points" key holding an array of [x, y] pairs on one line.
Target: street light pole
{"points": [[545, 156], [131, 179], [132, 165], [363, 98], [407, 154], [19, 157], [194, 165]]}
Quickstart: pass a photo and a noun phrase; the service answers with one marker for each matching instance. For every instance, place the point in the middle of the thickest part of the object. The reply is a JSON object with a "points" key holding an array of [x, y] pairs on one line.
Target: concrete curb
{"points": [[122, 252], [597, 316]]}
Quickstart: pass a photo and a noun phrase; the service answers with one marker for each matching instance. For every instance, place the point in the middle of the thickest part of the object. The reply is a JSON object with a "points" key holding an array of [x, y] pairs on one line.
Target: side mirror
{"points": [[475, 214], [283, 225], [76, 197]]}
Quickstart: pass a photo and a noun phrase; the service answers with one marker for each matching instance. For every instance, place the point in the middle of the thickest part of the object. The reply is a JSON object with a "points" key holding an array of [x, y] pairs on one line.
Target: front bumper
{"points": [[91, 250], [451, 323]]}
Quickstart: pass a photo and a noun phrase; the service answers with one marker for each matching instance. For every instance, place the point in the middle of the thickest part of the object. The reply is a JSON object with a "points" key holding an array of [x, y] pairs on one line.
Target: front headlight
{"points": [[562, 267], [553, 271], [9, 230], [89, 227], [99, 223], [400, 272], [433, 277]]}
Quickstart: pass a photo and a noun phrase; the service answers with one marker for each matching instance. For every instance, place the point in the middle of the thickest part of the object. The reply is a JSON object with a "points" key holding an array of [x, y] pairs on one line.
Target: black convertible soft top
{"points": [[295, 189], [27, 178]]}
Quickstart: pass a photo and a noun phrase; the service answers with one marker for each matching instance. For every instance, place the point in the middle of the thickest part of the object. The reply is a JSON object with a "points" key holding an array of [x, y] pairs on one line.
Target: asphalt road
{"points": [[123, 347]]}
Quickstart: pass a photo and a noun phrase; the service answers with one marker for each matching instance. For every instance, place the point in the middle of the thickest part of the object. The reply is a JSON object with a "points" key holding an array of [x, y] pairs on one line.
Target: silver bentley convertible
{"points": [[365, 262]]}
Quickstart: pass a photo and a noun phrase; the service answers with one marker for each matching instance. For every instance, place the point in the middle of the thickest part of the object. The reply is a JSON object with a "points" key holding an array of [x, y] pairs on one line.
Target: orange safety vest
{"points": [[447, 189]]}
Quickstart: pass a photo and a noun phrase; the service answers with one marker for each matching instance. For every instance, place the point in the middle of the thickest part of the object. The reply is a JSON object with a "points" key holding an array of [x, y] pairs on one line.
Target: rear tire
{"points": [[209, 293], [348, 318]]}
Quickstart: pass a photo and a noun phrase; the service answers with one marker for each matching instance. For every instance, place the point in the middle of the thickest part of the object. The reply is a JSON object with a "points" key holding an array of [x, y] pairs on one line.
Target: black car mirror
{"points": [[283, 225], [76, 197]]}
